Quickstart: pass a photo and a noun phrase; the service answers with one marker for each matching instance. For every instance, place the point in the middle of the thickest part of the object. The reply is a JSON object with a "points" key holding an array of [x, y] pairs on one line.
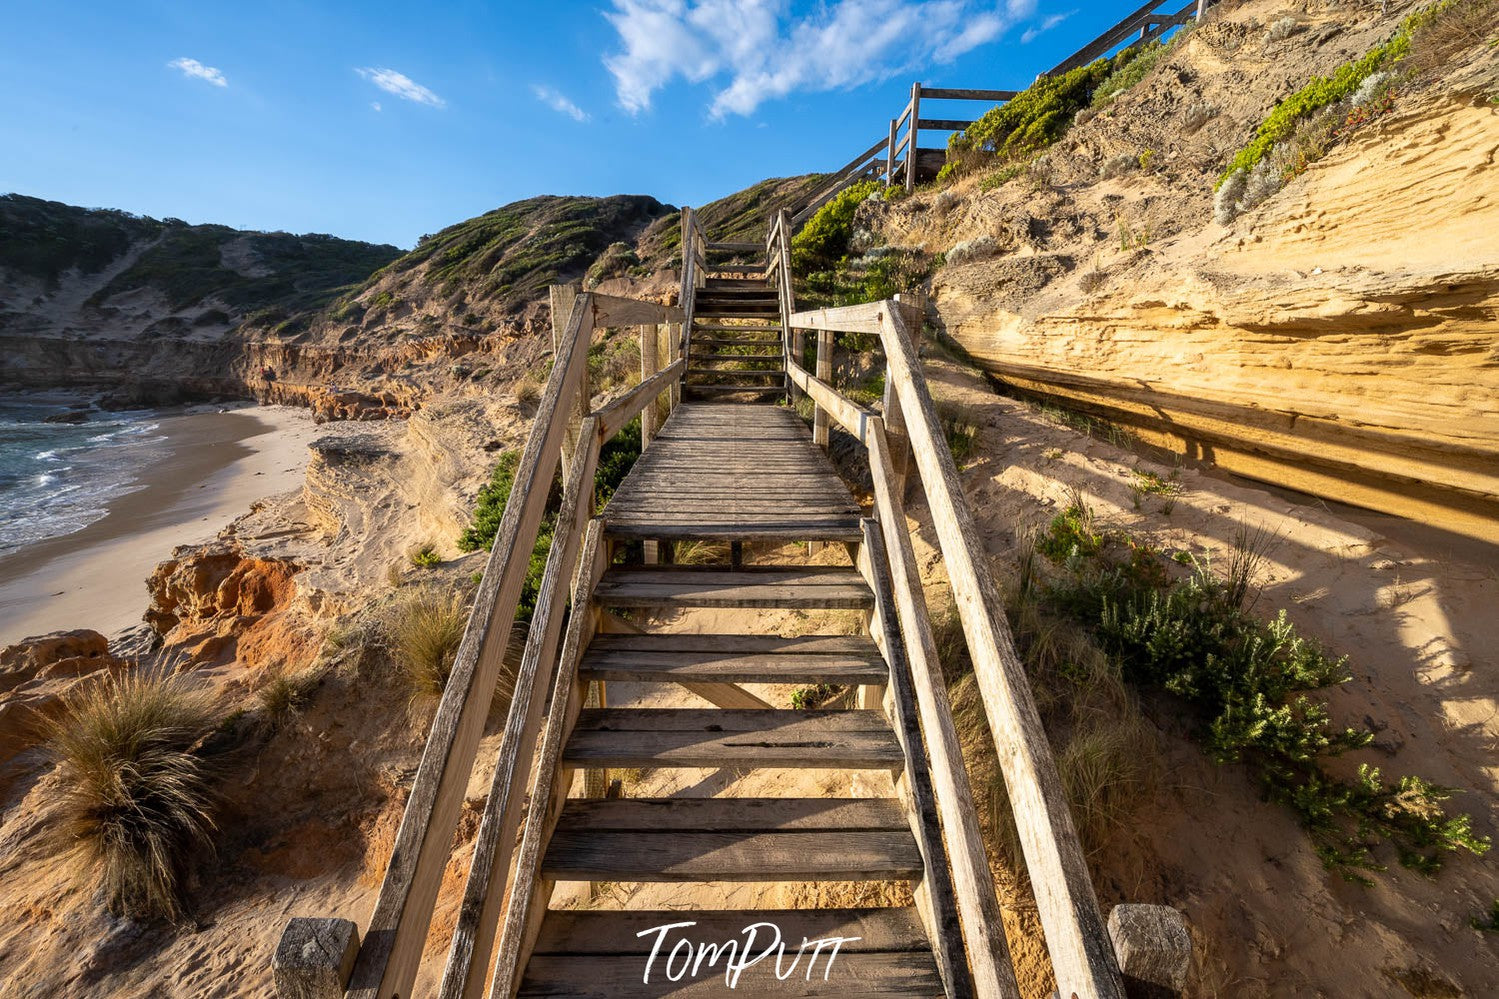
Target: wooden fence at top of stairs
{"points": [[729, 467], [900, 160]]}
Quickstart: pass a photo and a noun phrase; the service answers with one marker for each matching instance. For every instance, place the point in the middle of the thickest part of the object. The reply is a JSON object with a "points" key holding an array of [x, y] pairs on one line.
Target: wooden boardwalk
{"points": [[737, 472]]}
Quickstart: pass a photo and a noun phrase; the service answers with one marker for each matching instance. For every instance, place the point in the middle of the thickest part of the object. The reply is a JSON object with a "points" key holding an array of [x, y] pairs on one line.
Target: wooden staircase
{"points": [[726, 466], [713, 840], [735, 344]]}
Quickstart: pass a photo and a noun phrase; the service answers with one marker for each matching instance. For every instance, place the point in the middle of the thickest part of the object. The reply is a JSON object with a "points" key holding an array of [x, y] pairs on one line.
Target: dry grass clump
{"points": [[1450, 29], [136, 797], [528, 392], [700, 553], [285, 694], [425, 629]]}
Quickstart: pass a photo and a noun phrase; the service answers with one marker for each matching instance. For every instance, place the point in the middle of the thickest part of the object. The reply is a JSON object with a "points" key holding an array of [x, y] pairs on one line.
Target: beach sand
{"points": [[215, 465]]}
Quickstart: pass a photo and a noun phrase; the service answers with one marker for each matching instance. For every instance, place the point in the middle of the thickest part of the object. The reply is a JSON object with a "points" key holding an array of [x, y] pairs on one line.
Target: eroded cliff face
{"points": [[1341, 339]]}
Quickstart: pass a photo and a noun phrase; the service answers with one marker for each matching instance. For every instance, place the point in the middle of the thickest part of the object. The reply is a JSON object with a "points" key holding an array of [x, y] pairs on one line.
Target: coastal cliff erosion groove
{"points": [[1343, 341]]}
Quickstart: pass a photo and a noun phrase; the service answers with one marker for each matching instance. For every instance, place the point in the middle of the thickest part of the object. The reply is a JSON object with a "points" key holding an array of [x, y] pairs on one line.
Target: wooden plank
{"points": [[784, 531], [719, 692], [796, 588], [479, 915], [890, 154], [858, 646], [850, 416], [944, 124], [1081, 952], [990, 973], [677, 667], [1105, 41], [728, 247], [720, 737], [962, 94], [837, 855], [734, 815], [913, 135], [611, 310], [398, 927], [596, 934], [824, 375], [612, 416], [848, 319], [879, 975], [549, 782]]}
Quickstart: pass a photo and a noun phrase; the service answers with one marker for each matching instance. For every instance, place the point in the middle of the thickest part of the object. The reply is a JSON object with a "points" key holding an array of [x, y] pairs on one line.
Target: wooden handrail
{"points": [[612, 310], [1081, 953], [387, 963], [397, 930], [547, 792], [478, 918], [613, 415]]}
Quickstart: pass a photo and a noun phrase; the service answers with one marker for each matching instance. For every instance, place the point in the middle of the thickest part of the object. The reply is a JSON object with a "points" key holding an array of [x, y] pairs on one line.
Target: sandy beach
{"points": [[216, 464]]}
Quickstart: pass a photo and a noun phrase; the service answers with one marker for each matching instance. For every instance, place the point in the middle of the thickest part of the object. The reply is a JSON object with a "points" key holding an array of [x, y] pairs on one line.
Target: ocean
{"points": [[57, 478]]}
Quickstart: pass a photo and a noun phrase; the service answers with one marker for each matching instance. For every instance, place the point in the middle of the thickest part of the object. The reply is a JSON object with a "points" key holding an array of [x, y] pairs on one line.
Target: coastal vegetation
{"points": [[426, 625], [137, 798], [1247, 683]]}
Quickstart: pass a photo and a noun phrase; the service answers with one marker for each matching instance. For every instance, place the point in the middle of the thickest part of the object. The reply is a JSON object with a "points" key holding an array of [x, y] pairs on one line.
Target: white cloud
{"points": [[555, 100], [402, 86], [1031, 33], [757, 50], [196, 70], [376, 105]]}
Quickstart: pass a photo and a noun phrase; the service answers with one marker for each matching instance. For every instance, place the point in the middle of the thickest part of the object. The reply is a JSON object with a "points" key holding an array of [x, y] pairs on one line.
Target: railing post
{"points": [[820, 418], [913, 133], [562, 298], [650, 416], [1154, 949], [314, 958], [890, 156]]}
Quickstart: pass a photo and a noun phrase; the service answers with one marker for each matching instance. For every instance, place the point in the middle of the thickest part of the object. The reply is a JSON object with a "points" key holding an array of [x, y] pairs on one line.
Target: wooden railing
{"points": [[397, 932], [900, 159], [908, 432]]}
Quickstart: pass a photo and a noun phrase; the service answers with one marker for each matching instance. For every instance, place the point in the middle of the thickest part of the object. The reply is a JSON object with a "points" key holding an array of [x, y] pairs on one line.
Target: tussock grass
{"points": [[425, 629], [137, 799], [285, 694], [700, 553], [424, 555]]}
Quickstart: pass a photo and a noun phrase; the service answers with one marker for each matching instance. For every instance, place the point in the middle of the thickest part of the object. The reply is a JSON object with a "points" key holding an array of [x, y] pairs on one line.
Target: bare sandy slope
{"points": [[216, 466]]}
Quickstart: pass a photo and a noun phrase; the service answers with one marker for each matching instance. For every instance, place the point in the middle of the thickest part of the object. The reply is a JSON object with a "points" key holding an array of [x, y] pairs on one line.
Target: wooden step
{"points": [[721, 373], [736, 283], [679, 658], [823, 587], [732, 839], [700, 327], [739, 311], [773, 389], [714, 341], [770, 358], [603, 954], [734, 247], [719, 737]]}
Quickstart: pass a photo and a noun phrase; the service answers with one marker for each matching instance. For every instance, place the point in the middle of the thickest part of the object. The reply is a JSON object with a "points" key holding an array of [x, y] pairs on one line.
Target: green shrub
{"points": [[425, 555], [136, 798], [616, 458], [1247, 680], [824, 240], [1129, 74], [1040, 114], [1324, 91]]}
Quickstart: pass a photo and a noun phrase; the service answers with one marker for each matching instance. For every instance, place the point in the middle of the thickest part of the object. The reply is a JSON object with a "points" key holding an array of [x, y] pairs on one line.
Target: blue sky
{"points": [[384, 121]]}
